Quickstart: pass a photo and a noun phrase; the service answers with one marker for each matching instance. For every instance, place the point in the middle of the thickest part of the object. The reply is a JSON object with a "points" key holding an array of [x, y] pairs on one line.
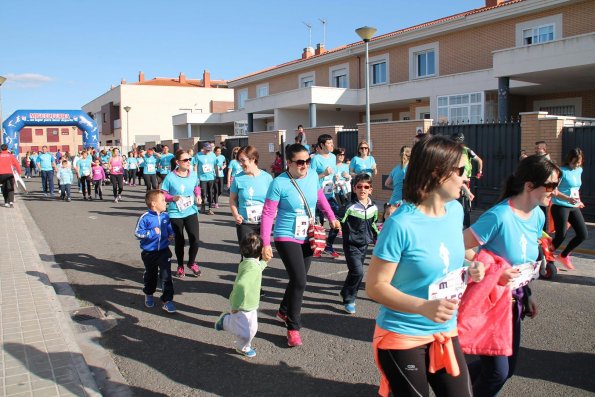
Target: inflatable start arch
{"points": [[22, 118]]}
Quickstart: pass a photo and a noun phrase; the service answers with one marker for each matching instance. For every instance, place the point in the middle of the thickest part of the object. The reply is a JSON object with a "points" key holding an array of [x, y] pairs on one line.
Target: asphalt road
{"points": [[182, 355]]}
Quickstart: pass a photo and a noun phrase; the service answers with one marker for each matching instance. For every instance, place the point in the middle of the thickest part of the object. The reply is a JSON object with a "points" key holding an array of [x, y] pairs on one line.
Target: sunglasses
{"points": [[184, 160], [340, 154], [301, 163], [364, 147], [460, 171], [550, 186], [364, 187]]}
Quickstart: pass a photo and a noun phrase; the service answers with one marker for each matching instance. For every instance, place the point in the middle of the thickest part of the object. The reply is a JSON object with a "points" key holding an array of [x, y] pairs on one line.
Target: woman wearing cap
{"points": [[420, 243], [182, 192], [150, 169], [291, 230], [365, 162], [248, 192]]}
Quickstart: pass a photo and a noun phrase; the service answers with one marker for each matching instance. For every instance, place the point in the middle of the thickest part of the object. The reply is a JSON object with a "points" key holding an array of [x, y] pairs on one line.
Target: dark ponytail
{"points": [[535, 169], [172, 164]]}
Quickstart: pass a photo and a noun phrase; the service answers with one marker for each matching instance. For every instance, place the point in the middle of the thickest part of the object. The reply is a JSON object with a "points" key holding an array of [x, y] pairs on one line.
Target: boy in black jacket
{"points": [[358, 222]]}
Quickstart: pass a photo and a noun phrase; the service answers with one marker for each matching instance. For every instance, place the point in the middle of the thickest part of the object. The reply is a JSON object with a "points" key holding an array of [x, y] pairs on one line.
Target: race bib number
{"points": [[150, 167], [254, 213], [328, 187], [301, 226], [574, 193], [184, 203], [116, 169], [451, 286], [86, 172], [206, 168], [528, 272]]}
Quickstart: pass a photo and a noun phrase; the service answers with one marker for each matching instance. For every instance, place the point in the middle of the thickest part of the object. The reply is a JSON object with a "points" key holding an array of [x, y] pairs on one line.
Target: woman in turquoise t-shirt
{"points": [[419, 244], [365, 162], [234, 167], [397, 176], [567, 205], [510, 230], [248, 192]]}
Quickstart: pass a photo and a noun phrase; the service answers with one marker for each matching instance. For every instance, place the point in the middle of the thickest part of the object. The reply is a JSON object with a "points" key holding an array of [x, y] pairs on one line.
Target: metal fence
{"points": [[498, 145], [348, 139], [583, 137]]}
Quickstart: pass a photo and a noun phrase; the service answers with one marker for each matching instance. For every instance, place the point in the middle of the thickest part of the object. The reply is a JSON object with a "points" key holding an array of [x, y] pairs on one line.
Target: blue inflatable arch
{"points": [[22, 118]]}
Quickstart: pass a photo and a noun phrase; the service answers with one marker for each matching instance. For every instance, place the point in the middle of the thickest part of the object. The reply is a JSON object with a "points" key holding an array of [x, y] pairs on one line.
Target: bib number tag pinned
{"points": [[450, 286], [528, 272], [184, 203]]}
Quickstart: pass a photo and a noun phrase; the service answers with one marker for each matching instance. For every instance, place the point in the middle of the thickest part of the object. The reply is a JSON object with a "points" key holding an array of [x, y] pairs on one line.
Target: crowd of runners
{"points": [[446, 287]]}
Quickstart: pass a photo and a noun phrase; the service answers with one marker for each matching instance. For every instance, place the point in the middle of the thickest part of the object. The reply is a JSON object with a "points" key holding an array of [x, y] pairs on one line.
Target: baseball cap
{"points": [[206, 145]]}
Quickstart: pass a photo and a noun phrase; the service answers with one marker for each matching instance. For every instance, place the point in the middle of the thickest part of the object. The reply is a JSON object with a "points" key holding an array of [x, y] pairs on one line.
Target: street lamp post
{"points": [[366, 33], [127, 109], [2, 80]]}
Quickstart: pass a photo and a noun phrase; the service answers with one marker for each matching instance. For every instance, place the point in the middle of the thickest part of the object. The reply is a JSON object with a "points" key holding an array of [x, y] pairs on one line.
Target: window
{"points": [[53, 135], [262, 90], [425, 63], [307, 80], [242, 98], [65, 148], [53, 149], [39, 131], [378, 73], [25, 135], [538, 35], [339, 76], [35, 148], [64, 131], [463, 108]]}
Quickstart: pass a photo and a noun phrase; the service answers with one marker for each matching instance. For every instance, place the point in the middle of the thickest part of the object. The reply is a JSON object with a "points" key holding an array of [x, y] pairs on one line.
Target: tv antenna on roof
{"points": [[309, 26], [323, 21]]}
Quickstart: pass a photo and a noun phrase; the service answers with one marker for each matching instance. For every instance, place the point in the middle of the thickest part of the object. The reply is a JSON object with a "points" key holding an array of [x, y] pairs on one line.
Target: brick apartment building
{"points": [[67, 139]]}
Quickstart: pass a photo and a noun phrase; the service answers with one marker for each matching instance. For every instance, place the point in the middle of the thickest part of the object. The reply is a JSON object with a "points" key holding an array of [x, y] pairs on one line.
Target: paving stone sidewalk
{"points": [[40, 356]]}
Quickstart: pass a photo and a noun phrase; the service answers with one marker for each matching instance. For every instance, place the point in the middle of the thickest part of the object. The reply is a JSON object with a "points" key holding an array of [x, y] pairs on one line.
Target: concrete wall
{"points": [[262, 141]]}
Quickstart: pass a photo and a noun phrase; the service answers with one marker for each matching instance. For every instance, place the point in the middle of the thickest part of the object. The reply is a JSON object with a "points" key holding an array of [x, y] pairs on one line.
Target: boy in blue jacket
{"points": [[154, 231]]}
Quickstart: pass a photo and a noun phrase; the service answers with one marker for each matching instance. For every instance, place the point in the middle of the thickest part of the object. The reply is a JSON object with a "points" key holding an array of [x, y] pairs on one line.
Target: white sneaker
{"points": [[116, 200], [6, 205], [119, 198], [11, 205]]}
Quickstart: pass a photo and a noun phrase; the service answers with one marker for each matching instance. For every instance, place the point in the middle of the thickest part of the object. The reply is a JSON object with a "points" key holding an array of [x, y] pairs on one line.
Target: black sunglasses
{"points": [[363, 147], [460, 171], [550, 186], [301, 163], [185, 160]]}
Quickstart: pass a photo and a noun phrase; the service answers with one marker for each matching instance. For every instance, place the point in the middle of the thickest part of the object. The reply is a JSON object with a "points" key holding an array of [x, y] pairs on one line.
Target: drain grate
{"points": [[87, 314]]}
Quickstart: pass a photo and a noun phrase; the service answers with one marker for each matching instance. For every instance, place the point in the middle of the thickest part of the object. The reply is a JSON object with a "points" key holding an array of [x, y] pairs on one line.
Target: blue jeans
{"points": [[354, 256], [47, 177], [65, 190]]}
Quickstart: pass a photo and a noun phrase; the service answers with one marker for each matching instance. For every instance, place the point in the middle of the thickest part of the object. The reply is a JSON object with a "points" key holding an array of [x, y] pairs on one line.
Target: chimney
{"points": [[308, 52], [493, 3], [141, 77], [122, 82], [182, 78], [206, 79], [319, 49]]}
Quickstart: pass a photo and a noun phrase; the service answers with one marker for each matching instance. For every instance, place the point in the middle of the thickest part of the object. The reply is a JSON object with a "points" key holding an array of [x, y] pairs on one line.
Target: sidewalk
{"points": [[40, 354]]}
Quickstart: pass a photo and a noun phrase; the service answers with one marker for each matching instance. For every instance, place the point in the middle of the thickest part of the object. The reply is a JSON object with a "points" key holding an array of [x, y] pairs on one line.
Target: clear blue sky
{"points": [[61, 54]]}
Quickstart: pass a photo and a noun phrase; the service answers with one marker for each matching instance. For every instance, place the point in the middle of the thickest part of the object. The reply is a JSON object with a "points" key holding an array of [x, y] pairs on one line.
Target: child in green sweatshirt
{"points": [[242, 321]]}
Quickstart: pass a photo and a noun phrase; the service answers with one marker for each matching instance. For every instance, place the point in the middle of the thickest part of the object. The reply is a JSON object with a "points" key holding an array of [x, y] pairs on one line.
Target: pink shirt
{"points": [[116, 166]]}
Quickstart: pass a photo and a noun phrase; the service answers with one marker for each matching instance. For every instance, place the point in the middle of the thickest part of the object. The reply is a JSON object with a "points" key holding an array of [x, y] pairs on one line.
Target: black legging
{"points": [[131, 176], [408, 375], [574, 216], [217, 189], [296, 259], [190, 223], [117, 181], [7, 181], [86, 185], [150, 181], [206, 193], [98, 190]]}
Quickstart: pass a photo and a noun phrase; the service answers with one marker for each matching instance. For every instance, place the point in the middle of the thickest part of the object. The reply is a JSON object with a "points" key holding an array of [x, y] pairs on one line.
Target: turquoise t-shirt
{"points": [[219, 162], [502, 232], [149, 164], [570, 184], [319, 164], [105, 158], [181, 186], [132, 163], [398, 176], [251, 191], [425, 249], [234, 167], [84, 166], [359, 165], [340, 169], [165, 163], [291, 208], [205, 166], [45, 161]]}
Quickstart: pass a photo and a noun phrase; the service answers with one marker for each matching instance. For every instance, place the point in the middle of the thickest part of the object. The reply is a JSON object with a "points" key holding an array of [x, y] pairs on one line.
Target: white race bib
{"points": [[86, 172], [206, 168], [328, 187], [451, 286], [184, 203], [150, 167], [254, 213], [116, 169], [574, 193], [528, 272], [302, 222]]}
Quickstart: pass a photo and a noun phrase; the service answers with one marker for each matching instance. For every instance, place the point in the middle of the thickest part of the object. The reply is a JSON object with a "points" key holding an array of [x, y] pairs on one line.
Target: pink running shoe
{"points": [[293, 338], [180, 272], [565, 261], [195, 269]]}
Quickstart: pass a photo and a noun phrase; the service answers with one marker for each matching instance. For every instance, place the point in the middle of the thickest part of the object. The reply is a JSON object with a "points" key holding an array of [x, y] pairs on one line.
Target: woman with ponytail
{"points": [[510, 230]]}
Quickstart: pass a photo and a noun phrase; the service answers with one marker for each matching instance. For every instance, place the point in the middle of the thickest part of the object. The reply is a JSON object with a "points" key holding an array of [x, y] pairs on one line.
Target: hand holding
{"points": [[336, 224], [267, 253], [198, 200], [508, 275], [476, 271], [239, 219]]}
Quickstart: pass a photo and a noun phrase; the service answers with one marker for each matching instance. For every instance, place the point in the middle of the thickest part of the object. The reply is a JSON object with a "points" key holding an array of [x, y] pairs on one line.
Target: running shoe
{"points": [[116, 200], [248, 353], [68, 199], [96, 196], [180, 272], [565, 260], [195, 269], [349, 307], [119, 197], [331, 252], [317, 254], [219, 322], [210, 212], [216, 205], [169, 307], [293, 338], [11, 205], [282, 317], [149, 301], [6, 205]]}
